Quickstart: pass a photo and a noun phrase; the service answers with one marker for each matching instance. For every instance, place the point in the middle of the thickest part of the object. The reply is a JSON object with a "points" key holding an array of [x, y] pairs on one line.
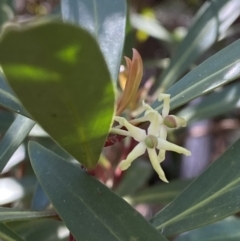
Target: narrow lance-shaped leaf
{"points": [[87, 207], [211, 21], [106, 20], [68, 86], [7, 234], [8, 99], [10, 214], [41, 230], [212, 196], [225, 230], [14, 136], [216, 103], [217, 70]]}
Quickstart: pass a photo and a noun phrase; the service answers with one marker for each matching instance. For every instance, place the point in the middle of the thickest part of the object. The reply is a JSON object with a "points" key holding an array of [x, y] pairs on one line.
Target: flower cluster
{"points": [[154, 137]]}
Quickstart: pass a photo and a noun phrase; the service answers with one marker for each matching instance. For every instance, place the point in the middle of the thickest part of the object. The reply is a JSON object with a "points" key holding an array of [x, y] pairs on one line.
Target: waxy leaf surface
{"points": [[59, 74], [10, 214], [8, 99], [211, 21], [12, 139], [105, 20], [225, 230], [212, 196], [216, 103], [219, 69], [87, 207]]}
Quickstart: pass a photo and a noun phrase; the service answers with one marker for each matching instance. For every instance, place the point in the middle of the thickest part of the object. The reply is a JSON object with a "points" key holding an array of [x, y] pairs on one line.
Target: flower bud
{"points": [[173, 121]]}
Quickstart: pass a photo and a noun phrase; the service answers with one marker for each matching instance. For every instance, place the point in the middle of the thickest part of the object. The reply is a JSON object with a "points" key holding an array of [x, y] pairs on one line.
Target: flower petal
{"points": [[162, 135], [120, 132], [161, 155], [137, 133], [162, 132], [137, 151], [155, 163], [166, 145], [155, 123], [146, 106], [166, 103]]}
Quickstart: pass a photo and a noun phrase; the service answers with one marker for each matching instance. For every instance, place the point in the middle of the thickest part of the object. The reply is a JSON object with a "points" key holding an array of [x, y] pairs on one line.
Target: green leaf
{"points": [[216, 103], [7, 234], [217, 70], [225, 230], [159, 194], [6, 11], [7, 119], [136, 175], [212, 196], [104, 19], [8, 99], [41, 230], [69, 90], [211, 21], [13, 138], [10, 214], [87, 207], [50, 144]]}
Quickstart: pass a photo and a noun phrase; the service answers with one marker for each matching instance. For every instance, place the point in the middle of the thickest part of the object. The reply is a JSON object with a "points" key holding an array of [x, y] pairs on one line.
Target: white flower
{"points": [[148, 141], [168, 121], [154, 138]]}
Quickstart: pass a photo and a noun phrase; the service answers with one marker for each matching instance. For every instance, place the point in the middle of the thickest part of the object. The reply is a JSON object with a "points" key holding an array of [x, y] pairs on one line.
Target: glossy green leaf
{"points": [[215, 194], [159, 194], [7, 234], [7, 119], [13, 138], [8, 99], [225, 230], [41, 230], [217, 70], [106, 20], [211, 21], [136, 175], [87, 207], [50, 144], [9, 214], [69, 90], [216, 103]]}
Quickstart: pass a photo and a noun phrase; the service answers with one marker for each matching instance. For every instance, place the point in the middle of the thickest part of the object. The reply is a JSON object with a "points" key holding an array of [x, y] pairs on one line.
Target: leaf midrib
{"points": [[199, 83], [85, 204], [200, 204]]}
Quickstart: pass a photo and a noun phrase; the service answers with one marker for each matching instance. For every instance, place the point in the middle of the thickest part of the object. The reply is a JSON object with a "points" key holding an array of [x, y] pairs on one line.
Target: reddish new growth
{"points": [[134, 73]]}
